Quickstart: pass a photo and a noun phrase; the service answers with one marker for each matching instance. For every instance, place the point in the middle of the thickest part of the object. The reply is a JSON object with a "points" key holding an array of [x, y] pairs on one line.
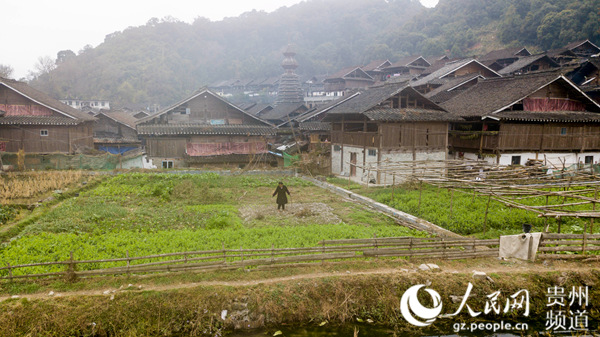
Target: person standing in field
{"points": [[280, 191]]}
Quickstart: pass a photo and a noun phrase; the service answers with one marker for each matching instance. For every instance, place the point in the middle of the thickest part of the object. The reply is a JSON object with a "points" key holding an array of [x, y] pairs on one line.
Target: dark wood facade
{"points": [[36, 123], [205, 128]]}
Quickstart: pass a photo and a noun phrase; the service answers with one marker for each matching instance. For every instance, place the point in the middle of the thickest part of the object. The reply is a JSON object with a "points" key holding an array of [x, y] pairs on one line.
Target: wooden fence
{"points": [[568, 246], [225, 259]]}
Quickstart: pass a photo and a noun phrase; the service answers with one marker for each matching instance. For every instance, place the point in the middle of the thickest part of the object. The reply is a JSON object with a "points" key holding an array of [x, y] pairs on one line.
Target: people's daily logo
{"points": [[414, 312]]}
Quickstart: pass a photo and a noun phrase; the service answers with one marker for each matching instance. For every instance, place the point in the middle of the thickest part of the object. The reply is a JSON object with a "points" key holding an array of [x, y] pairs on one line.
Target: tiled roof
{"points": [[45, 100], [344, 72], [405, 61], [281, 111], [445, 70], [203, 129], [492, 95], [524, 62], [314, 126], [410, 115], [550, 116], [502, 54], [375, 65], [38, 120], [368, 103], [441, 93], [122, 117]]}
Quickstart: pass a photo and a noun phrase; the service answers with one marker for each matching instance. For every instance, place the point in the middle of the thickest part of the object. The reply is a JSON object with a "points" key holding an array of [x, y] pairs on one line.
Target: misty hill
{"points": [[167, 59]]}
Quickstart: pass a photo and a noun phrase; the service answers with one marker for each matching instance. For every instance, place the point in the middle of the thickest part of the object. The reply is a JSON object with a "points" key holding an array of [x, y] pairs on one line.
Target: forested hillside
{"points": [[166, 59]]}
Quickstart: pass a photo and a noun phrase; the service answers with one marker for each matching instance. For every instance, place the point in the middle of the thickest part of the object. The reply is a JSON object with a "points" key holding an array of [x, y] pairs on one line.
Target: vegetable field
{"points": [[464, 212], [155, 213]]}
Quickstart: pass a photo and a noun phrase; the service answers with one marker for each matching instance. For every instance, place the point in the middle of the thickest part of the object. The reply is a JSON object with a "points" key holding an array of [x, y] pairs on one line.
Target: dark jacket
{"points": [[280, 192]]}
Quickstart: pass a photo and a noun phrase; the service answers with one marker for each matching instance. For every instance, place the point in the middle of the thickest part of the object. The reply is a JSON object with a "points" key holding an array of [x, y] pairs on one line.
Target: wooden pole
{"points": [[9, 271], [420, 193], [393, 185], [593, 208], [451, 201], [127, 256], [487, 207]]}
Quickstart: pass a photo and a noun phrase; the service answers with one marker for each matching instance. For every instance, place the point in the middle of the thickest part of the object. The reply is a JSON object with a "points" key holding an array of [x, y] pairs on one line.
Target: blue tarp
{"points": [[116, 150]]}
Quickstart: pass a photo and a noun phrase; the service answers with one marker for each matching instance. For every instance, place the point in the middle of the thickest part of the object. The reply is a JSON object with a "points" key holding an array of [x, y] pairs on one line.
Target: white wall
{"points": [[554, 160], [365, 160]]}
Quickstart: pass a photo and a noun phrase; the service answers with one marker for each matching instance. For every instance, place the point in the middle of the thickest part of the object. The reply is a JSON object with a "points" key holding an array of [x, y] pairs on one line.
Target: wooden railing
{"points": [[224, 259]]}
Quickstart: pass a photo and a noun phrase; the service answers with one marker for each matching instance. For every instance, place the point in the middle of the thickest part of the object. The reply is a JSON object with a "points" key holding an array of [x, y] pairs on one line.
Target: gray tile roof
{"points": [[445, 70], [38, 120], [441, 93], [502, 54], [204, 129], [550, 116], [410, 115], [368, 103], [524, 62], [492, 95], [45, 100], [315, 126]]}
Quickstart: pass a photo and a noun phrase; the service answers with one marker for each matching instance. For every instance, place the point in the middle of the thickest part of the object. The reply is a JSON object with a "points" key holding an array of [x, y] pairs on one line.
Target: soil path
{"points": [[447, 268]]}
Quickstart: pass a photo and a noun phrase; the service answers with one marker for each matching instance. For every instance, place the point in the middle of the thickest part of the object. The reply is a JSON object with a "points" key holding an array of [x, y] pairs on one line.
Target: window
{"points": [[167, 164], [336, 148], [515, 160], [372, 152], [589, 159], [563, 131], [44, 133]]}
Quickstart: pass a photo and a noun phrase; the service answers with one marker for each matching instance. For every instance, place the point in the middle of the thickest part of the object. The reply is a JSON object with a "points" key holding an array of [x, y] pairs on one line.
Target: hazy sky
{"points": [[34, 28]]}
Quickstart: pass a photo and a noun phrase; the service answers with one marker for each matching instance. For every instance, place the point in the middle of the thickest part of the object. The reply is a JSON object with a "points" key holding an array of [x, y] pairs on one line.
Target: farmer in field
{"points": [[280, 191]]}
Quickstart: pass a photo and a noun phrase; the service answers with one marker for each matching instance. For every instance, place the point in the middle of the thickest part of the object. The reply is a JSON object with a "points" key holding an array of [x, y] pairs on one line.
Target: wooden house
{"points": [[35, 122], [498, 59], [375, 69], [448, 71], [348, 78], [453, 87], [115, 132], [510, 120], [378, 126], [583, 48], [411, 65], [526, 64], [204, 128]]}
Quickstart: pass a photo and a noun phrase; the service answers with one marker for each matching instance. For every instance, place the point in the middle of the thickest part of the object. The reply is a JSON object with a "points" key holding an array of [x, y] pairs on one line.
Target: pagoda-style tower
{"points": [[290, 90]]}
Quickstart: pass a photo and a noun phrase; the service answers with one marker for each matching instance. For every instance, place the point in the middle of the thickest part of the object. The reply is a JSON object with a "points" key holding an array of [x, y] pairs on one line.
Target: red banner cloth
{"points": [[3, 146], [215, 149], [552, 104], [25, 110]]}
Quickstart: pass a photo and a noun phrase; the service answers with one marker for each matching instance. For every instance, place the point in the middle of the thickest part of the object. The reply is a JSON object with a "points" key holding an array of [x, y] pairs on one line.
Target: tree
{"points": [[6, 71], [64, 55]]}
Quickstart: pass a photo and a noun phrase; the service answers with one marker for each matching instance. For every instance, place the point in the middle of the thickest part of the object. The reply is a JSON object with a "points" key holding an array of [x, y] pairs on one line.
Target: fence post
{"points": [[487, 207], [323, 250], [242, 255], [224, 253], [410, 247], [9, 271], [444, 254], [272, 252], [420, 193], [376, 246], [128, 263], [451, 201], [71, 269]]}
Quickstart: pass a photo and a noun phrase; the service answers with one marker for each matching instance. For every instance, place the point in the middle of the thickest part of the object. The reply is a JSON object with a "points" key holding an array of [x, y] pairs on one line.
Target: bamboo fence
{"points": [[227, 259], [554, 246]]}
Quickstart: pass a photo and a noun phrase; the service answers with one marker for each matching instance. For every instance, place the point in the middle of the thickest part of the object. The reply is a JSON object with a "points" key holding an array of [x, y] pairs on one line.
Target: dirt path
{"points": [[447, 268]]}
